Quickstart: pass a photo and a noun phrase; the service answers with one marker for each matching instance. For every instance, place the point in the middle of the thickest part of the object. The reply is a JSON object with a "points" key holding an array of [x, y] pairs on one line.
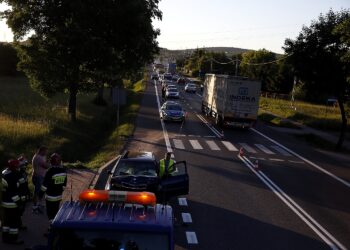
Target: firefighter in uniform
{"points": [[166, 165], [23, 187], [54, 184], [11, 203]]}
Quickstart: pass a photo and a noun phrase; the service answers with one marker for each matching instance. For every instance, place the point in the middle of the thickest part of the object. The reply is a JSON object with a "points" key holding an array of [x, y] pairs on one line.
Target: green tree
{"points": [[253, 66], [8, 60], [77, 45], [319, 55]]}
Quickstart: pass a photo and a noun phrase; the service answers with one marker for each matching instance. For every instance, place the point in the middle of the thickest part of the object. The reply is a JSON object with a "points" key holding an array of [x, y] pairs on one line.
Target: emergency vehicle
{"points": [[119, 220]]}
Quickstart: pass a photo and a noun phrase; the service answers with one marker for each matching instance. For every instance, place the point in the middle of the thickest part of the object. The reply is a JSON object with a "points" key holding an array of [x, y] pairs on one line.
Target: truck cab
{"points": [[120, 220]]}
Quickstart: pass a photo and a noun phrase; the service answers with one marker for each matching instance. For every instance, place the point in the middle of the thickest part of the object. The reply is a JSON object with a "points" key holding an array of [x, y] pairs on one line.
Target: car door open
{"points": [[177, 182]]}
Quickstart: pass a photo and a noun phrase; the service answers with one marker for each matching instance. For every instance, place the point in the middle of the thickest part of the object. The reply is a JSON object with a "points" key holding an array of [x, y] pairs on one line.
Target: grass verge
{"points": [[28, 120], [317, 116]]}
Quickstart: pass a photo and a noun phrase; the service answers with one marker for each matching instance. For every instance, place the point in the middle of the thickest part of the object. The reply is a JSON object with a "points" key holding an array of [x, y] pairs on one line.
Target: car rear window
{"points": [[174, 107]]}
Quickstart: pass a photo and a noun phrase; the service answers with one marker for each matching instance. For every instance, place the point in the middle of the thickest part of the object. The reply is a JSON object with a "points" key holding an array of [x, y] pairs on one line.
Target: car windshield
{"points": [[174, 107], [78, 239], [191, 85], [136, 168]]}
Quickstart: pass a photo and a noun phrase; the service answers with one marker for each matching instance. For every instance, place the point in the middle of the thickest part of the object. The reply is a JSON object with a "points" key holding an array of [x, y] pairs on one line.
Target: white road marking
{"points": [[301, 213], [212, 145], [191, 238], [300, 162], [248, 148], [195, 144], [178, 144], [186, 218], [346, 183], [275, 159], [264, 149], [180, 135], [214, 130], [257, 158], [281, 150], [165, 132], [229, 146], [182, 202]]}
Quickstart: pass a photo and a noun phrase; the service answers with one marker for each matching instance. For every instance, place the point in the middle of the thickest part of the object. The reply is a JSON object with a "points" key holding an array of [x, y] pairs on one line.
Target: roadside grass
{"points": [[276, 121], [320, 143], [28, 120], [317, 116]]}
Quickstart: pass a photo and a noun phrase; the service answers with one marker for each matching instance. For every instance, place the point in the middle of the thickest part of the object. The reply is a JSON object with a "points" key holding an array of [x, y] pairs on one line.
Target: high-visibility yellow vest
{"points": [[162, 167]]}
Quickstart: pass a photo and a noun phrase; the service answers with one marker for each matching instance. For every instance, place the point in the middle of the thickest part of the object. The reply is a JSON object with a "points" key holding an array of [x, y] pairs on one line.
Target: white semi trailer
{"points": [[231, 100]]}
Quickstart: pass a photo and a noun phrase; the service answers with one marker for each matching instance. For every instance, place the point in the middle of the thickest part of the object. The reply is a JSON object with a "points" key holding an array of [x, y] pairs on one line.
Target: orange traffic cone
{"points": [[241, 152]]}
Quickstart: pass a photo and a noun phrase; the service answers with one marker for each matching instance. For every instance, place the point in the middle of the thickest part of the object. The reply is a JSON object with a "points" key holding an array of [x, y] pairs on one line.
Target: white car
{"points": [[172, 93], [191, 87]]}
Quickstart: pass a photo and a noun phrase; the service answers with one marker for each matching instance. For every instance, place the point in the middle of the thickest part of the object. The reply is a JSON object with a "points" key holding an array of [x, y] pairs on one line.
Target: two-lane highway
{"points": [[284, 204]]}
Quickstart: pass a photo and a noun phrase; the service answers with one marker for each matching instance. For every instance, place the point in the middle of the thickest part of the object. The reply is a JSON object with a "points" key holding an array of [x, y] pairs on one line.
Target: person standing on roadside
{"points": [[23, 187], [54, 184], [39, 170], [11, 203]]}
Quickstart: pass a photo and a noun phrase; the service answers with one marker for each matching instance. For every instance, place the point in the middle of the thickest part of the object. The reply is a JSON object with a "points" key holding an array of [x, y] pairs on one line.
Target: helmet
{"points": [[13, 164], [55, 159]]}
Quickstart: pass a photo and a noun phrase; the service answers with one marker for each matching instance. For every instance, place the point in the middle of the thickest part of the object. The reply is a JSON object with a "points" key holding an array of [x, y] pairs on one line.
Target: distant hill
{"points": [[179, 53]]}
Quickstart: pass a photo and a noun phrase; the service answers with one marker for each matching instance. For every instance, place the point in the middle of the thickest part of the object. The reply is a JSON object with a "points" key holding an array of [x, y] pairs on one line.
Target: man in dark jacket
{"points": [[24, 192], [11, 203], [54, 184]]}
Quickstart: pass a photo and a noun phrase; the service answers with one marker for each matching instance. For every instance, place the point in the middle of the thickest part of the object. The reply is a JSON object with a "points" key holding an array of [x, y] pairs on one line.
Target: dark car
{"points": [[138, 171], [181, 80], [172, 111]]}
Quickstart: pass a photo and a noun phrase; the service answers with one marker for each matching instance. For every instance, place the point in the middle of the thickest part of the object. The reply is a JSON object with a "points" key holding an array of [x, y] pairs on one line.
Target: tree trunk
{"points": [[72, 102], [343, 124]]}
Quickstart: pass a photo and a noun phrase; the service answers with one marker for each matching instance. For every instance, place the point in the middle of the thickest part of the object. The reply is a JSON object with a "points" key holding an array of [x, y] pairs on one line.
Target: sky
{"points": [[248, 24]]}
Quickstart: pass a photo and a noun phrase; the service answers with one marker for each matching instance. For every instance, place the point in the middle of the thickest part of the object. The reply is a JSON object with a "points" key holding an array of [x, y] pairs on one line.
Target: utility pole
{"points": [[236, 62], [293, 93]]}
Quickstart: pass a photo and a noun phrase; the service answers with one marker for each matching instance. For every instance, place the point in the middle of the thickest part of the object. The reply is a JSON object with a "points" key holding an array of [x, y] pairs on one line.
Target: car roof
{"points": [[138, 156], [113, 216]]}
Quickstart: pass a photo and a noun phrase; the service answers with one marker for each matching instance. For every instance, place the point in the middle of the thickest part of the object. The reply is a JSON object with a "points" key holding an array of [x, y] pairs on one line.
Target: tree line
{"points": [[73, 46], [319, 60]]}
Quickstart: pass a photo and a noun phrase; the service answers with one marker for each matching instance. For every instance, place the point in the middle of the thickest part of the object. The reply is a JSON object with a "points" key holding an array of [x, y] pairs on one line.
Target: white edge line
{"points": [[191, 237], [284, 197], [304, 159], [165, 132], [209, 126]]}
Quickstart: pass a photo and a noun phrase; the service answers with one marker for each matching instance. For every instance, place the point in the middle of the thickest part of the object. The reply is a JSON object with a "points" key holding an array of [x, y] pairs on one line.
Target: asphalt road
{"points": [[298, 198]]}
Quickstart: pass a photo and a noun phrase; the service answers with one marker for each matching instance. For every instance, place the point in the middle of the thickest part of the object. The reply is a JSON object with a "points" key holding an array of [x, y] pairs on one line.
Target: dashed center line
{"points": [[186, 218], [191, 237], [183, 202]]}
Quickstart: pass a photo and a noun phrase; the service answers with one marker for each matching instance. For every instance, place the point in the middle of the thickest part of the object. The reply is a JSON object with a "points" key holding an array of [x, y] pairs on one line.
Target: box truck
{"points": [[231, 100]]}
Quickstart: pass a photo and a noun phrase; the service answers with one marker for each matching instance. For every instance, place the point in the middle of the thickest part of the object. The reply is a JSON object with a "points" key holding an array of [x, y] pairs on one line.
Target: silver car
{"points": [[191, 87]]}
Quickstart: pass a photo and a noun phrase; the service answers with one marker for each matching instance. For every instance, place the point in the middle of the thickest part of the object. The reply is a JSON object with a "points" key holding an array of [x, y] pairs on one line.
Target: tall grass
{"points": [[28, 120], [313, 115]]}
